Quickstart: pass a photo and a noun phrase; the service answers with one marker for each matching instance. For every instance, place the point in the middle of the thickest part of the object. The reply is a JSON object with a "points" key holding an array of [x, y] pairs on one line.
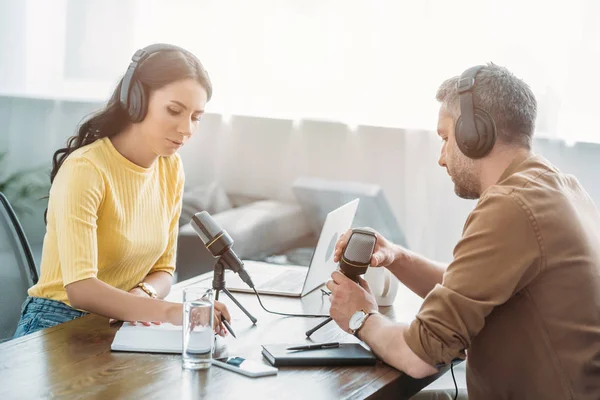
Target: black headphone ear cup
{"points": [[487, 132], [464, 138], [137, 102], [476, 144], [133, 96]]}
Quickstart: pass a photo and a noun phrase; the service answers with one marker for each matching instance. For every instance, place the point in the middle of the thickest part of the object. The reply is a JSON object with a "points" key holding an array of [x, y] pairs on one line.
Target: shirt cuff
{"points": [[72, 278], [427, 347], [163, 268]]}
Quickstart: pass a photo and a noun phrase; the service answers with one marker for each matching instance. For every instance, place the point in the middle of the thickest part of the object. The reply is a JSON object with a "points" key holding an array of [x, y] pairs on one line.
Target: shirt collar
{"points": [[513, 166]]}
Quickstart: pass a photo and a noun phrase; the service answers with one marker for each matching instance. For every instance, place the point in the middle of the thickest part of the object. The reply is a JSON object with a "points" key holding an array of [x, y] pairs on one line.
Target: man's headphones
{"points": [[475, 129], [133, 97]]}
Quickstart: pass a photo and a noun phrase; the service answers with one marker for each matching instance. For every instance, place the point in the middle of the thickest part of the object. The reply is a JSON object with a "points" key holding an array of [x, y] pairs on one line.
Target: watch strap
{"points": [[148, 289], [367, 315]]}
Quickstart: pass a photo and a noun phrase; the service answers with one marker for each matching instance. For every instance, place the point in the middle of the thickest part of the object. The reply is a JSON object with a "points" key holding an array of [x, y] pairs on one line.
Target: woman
{"points": [[115, 200]]}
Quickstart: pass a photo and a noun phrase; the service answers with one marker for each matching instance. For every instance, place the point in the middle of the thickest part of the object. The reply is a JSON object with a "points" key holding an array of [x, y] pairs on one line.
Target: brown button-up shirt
{"points": [[523, 291]]}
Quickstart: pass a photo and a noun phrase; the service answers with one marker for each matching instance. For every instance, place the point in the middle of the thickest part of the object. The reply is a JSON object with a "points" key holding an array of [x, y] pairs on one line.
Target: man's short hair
{"points": [[508, 99]]}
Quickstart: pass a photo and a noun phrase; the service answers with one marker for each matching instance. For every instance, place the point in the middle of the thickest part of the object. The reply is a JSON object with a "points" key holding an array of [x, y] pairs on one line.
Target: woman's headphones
{"points": [[133, 97], [475, 129]]}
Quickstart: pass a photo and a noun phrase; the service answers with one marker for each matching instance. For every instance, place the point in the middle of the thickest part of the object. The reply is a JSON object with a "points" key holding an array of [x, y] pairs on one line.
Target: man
{"points": [[522, 293]]}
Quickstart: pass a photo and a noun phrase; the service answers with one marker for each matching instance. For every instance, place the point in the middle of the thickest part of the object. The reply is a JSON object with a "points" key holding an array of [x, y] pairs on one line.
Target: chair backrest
{"points": [[17, 269]]}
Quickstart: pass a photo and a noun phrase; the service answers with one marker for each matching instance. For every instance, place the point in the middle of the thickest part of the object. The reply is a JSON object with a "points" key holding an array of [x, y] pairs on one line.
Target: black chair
{"points": [[17, 269]]}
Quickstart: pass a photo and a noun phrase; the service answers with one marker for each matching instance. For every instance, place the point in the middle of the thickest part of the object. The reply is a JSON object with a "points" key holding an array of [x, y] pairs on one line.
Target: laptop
{"points": [[296, 280]]}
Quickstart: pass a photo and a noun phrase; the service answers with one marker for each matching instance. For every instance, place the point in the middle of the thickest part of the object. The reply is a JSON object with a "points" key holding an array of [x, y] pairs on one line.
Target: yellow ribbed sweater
{"points": [[111, 219]]}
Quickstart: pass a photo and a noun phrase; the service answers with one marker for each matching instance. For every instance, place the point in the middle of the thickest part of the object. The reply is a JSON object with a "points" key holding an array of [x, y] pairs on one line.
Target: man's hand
{"points": [[384, 252], [347, 298], [138, 292]]}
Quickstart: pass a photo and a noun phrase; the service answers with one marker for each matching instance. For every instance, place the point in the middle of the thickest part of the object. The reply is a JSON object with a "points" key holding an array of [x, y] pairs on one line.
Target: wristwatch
{"points": [[357, 320], [148, 289]]}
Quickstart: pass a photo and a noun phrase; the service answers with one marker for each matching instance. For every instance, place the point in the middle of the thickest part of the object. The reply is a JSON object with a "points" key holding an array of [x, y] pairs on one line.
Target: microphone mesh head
{"points": [[205, 226], [359, 249]]}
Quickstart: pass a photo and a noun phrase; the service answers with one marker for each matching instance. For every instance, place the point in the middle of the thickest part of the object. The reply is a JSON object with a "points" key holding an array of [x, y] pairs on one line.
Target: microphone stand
{"points": [[316, 328], [352, 269], [218, 285], [328, 320]]}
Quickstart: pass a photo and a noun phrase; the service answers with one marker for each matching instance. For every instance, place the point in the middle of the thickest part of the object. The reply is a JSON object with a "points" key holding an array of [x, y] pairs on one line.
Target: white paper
{"points": [[163, 338]]}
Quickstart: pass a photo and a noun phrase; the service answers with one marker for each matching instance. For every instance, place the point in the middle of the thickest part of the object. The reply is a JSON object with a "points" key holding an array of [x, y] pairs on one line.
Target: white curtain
{"points": [[359, 62]]}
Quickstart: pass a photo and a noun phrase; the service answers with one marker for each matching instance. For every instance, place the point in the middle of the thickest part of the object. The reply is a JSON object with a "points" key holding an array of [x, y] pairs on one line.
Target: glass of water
{"points": [[198, 332]]}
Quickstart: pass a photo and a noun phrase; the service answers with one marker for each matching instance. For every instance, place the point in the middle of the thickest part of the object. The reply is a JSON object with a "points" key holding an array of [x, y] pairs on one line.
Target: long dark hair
{"points": [[157, 71]]}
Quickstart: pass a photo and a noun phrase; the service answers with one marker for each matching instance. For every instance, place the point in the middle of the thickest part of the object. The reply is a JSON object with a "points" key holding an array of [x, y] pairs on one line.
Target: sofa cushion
{"points": [[210, 197], [265, 226], [259, 228]]}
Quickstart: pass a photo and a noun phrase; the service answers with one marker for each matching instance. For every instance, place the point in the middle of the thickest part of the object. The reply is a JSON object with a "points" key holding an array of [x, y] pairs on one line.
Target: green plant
{"points": [[26, 188]]}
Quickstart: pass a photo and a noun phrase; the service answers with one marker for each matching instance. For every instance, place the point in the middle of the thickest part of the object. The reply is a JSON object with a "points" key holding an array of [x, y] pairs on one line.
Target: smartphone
{"points": [[245, 367]]}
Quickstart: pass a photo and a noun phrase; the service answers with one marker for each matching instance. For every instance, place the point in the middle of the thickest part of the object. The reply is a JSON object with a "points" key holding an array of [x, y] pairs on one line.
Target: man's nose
{"points": [[442, 159]]}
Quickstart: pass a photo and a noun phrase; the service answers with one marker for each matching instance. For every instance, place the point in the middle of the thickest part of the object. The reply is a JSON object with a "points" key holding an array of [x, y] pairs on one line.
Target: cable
{"points": [[453, 379], [288, 315]]}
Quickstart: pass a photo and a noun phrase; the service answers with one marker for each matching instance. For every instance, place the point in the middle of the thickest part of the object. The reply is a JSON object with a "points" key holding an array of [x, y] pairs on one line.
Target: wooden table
{"points": [[74, 360]]}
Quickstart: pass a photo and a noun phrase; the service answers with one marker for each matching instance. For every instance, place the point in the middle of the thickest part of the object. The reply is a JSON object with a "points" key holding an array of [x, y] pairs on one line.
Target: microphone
{"points": [[355, 261], [218, 242], [358, 252]]}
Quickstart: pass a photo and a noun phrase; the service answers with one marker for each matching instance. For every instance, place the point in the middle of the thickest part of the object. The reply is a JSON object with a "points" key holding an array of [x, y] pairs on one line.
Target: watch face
{"points": [[356, 320]]}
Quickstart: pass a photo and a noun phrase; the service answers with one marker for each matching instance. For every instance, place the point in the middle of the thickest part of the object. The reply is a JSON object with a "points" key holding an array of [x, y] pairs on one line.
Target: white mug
{"points": [[383, 284]]}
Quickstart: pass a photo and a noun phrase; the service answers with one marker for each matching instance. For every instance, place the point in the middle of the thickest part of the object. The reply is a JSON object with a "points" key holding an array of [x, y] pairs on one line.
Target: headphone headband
{"points": [[465, 91], [467, 79], [139, 57]]}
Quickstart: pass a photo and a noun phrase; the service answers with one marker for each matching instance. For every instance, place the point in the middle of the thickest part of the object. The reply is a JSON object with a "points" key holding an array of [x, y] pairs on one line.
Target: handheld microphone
{"points": [[358, 252], [355, 260], [218, 242]]}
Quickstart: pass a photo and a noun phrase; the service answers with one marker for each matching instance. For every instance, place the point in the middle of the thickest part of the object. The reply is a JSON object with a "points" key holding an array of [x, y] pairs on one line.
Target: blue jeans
{"points": [[39, 313]]}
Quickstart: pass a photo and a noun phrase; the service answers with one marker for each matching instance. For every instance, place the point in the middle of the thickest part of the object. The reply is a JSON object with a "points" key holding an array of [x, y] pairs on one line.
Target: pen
{"points": [[228, 327], [332, 345]]}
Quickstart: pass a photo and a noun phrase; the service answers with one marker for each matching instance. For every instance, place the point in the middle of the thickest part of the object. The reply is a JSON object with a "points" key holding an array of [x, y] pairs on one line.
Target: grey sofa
{"points": [[258, 227]]}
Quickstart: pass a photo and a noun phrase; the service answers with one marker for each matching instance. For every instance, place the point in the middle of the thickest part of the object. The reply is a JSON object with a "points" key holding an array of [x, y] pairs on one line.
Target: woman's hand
{"points": [[198, 316], [175, 316], [138, 292], [221, 312]]}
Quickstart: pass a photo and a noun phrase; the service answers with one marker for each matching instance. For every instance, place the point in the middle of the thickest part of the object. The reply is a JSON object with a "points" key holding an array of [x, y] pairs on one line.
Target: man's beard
{"points": [[466, 180], [466, 191]]}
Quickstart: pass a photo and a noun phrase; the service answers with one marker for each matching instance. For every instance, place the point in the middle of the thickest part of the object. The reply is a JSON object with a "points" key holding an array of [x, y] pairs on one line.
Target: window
{"points": [[358, 62]]}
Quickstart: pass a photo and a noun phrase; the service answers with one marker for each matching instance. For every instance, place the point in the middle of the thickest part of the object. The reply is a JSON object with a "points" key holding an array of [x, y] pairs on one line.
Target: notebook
{"points": [[346, 354], [163, 338]]}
